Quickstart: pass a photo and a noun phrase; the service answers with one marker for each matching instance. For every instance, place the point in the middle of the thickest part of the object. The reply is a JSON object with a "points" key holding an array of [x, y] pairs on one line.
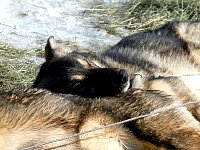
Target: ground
{"points": [[94, 25]]}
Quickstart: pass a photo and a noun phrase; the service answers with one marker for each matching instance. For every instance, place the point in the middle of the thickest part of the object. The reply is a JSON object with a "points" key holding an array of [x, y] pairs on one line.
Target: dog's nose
{"points": [[123, 74]]}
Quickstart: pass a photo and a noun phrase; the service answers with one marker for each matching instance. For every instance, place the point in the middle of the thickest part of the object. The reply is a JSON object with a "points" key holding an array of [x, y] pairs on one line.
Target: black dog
{"points": [[79, 73]]}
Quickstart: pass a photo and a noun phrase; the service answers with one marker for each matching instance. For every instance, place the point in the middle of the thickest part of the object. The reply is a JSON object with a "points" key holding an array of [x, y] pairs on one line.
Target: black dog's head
{"points": [[74, 73]]}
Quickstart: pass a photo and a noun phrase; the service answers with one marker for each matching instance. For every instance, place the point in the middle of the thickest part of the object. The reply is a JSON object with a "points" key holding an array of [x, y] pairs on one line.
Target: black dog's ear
{"points": [[53, 49]]}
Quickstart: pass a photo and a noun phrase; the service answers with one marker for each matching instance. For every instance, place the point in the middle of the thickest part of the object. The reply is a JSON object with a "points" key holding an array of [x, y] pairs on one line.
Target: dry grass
{"points": [[18, 70], [140, 15]]}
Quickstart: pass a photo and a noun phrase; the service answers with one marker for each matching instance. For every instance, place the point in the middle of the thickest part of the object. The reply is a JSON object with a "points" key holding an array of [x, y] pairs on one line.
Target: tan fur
{"points": [[78, 77], [132, 56], [162, 86], [189, 32], [42, 126], [159, 52], [32, 117], [117, 137], [178, 127]]}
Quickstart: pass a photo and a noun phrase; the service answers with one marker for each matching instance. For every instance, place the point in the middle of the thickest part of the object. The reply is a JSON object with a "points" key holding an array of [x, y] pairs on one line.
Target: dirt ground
{"points": [[96, 25]]}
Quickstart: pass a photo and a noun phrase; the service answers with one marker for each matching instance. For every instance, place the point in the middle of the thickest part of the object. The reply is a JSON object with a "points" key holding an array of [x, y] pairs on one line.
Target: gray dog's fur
{"points": [[167, 59]]}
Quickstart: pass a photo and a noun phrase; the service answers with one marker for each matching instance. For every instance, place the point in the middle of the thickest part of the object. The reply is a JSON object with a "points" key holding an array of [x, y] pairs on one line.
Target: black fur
{"points": [[67, 75]]}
